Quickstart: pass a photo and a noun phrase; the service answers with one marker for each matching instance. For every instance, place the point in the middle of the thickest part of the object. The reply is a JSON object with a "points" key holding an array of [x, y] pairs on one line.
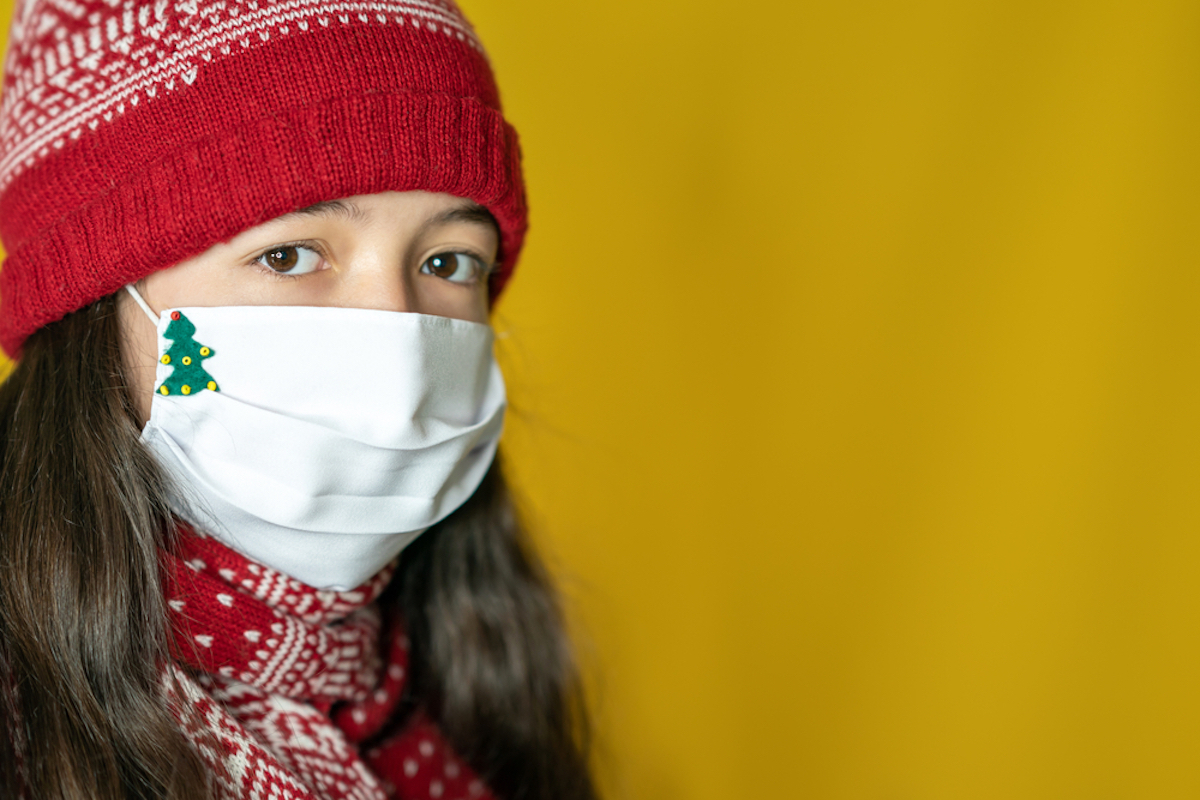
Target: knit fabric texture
{"points": [[137, 133], [292, 693]]}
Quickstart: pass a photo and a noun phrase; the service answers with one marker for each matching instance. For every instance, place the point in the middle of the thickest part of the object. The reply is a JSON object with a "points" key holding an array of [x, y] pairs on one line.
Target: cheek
{"points": [[444, 299], [477, 308], [209, 279], [139, 354]]}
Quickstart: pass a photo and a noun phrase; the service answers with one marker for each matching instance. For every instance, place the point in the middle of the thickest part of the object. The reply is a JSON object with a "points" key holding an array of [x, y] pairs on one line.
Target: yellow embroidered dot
{"points": [[164, 389], [187, 360], [212, 386], [165, 359], [204, 351], [186, 389]]}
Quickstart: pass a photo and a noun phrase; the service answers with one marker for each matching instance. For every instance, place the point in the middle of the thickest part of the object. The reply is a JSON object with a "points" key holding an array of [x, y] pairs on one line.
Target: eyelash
{"points": [[486, 268], [302, 245], [483, 270]]}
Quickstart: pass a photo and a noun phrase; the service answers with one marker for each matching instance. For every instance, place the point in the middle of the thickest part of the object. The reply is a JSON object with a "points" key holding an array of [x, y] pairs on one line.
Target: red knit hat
{"points": [[137, 133]]}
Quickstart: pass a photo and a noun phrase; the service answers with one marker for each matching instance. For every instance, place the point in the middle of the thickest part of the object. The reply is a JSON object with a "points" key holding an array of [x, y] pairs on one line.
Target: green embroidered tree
{"points": [[185, 355]]}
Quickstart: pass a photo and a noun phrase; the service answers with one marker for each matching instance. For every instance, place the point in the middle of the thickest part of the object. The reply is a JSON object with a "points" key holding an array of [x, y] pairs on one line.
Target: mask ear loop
{"points": [[145, 307]]}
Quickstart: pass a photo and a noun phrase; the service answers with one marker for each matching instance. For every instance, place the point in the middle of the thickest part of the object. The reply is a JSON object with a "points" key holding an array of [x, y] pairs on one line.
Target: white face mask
{"points": [[321, 441]]}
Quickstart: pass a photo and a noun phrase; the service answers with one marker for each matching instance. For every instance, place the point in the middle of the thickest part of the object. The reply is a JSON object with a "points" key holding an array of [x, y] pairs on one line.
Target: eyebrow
{"points": [[331, 208], [472, 213]]}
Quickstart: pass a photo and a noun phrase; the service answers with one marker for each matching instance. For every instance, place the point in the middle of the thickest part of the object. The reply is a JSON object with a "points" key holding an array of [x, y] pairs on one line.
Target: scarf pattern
{"points": [[277, 684]]}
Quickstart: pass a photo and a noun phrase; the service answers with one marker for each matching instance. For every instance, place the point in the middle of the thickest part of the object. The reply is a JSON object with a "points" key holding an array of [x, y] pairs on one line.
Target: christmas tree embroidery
{"points": [[185, 355]]}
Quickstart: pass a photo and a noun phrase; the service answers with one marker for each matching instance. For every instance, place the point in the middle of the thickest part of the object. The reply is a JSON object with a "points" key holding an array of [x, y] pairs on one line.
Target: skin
{"points": [[413, 252]]}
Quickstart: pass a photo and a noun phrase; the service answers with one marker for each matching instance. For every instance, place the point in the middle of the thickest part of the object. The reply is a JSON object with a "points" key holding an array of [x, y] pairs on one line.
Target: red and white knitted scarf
{"points": [[279, 683]]}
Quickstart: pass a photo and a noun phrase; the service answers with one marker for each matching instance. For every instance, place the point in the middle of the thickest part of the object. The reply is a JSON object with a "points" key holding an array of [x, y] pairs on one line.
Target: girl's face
{"points": [[396, 251]]}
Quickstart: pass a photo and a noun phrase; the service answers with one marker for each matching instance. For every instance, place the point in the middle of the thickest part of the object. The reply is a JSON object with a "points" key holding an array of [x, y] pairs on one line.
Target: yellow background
{"points": [[853, 359]]}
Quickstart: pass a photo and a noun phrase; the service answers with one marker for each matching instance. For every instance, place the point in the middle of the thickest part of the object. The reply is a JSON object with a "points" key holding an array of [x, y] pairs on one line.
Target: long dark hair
{"points": [[83, 629]]}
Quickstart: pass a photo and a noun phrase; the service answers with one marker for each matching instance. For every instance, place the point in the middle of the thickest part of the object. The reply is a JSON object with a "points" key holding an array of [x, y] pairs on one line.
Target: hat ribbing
{"points": [[135, 134]]}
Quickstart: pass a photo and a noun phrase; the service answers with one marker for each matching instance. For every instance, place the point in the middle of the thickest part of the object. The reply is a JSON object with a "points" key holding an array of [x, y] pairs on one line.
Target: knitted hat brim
{"points": [[254, 136]]}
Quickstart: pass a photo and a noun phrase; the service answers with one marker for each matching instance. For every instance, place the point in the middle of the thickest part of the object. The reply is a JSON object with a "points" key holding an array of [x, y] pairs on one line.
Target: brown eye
{"points": [[281, 260], [454, 267], [291, 260]]}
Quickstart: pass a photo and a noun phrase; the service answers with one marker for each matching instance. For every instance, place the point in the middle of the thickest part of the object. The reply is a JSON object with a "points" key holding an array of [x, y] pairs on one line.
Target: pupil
{"points": [[441, 266], [283, 259]]}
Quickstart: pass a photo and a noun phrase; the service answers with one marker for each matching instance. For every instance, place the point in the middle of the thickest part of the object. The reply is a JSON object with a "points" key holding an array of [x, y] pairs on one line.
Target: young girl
{"points": [[254, 541]]}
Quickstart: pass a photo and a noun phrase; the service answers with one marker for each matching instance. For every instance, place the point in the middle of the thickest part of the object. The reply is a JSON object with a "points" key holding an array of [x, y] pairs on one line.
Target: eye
{"points": [[291, 259], [454, 267]]}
